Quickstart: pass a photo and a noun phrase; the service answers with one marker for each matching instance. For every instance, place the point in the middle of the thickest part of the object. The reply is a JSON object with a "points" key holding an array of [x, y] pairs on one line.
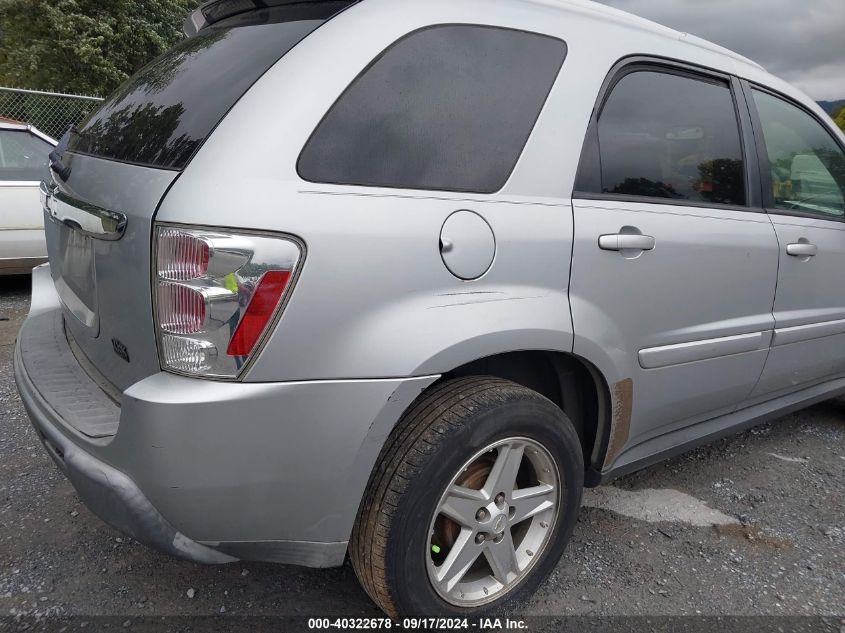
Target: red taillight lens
{"points": [[259, 312], [181, 256], [181, 310]]}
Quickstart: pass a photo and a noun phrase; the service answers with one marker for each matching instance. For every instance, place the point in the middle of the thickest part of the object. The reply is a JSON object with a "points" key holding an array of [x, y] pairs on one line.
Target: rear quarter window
{"points": [[446, 108]]}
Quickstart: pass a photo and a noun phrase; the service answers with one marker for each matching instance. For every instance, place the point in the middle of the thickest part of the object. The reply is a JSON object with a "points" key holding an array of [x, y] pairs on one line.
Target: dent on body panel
{"points": [[622, 403]]}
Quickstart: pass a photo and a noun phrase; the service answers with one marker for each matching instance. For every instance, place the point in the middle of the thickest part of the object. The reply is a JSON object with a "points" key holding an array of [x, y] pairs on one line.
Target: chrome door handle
{"points": [[81, 216], [802, 249], [624, 241]]}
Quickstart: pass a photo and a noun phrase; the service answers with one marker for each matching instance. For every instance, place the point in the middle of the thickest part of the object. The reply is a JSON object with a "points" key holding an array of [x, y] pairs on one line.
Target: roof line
{"points": [[590, 7]]}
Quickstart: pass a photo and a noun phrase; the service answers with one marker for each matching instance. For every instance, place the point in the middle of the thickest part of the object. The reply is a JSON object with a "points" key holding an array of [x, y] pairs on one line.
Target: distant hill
{"points": [[832, 106]]}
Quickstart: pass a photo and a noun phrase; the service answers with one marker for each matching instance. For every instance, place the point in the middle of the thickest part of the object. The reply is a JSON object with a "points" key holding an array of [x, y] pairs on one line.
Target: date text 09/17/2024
{"points": [[418, 624]]}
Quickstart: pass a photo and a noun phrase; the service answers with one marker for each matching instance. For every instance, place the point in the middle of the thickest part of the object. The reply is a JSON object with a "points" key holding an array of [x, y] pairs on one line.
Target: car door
{"points": [[24, 163], [674, 262], [803, 171]]}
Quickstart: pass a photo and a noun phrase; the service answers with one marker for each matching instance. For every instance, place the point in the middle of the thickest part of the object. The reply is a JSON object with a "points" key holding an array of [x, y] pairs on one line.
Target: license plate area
{"points": [[76, 279]]}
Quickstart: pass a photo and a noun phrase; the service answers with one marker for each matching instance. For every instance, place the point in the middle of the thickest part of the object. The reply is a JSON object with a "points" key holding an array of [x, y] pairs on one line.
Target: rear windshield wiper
{"points": [[56, 164]]}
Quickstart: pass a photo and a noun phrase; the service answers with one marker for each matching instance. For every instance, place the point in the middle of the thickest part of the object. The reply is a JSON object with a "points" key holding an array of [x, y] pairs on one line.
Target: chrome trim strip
{"points": [[656, 357], [798, 333], [81, 216]]}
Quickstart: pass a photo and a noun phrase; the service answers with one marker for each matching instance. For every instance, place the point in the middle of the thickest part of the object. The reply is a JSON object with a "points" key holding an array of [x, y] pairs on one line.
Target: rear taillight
{"points": [[265, 300], [217, 295], [181, 255], [181, 309]]}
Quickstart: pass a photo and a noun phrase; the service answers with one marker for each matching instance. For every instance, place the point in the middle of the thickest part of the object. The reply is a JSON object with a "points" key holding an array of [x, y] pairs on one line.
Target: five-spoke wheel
{"points": [[471, 503], [492, 522]]}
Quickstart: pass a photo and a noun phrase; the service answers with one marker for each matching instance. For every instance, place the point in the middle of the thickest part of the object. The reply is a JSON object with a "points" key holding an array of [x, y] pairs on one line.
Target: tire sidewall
{"points": [[406, 558]]}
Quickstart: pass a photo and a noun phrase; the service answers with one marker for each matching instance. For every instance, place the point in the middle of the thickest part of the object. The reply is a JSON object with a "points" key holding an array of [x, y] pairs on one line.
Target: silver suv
{"points": [[396, 279]]}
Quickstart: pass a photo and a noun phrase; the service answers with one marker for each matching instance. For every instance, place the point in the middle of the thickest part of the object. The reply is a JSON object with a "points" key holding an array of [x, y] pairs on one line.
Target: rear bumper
{"points": [[107, 492], [209, 471]]}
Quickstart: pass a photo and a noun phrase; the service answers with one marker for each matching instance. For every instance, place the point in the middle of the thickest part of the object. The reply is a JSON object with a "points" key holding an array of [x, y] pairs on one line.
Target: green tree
{"points": [[839, 118], [84, 46]]}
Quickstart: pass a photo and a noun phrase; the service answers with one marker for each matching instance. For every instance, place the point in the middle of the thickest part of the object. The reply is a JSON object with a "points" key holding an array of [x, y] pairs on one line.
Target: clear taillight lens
{"points": [[217, 295], [181, 256], [188, 356], [181, 309]]}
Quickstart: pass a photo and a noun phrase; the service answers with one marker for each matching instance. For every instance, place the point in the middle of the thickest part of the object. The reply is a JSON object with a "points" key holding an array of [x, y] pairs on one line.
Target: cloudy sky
{"points": [[802, 41]]}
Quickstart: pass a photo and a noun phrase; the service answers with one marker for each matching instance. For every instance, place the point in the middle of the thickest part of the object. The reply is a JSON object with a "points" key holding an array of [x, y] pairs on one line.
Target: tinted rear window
{"points": [[448, 108], [162, 115]]}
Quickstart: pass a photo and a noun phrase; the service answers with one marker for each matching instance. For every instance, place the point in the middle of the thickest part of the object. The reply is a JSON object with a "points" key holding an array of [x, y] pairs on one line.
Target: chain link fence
{"points": [[51, 112]]}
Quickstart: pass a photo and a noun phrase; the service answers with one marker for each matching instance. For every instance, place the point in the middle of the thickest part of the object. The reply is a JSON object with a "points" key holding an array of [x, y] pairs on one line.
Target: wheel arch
{"points": [[571, 382]]}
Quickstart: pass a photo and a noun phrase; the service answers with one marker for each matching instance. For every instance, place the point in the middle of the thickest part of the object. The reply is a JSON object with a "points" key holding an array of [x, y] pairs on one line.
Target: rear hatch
{"points": [[119, 164]]}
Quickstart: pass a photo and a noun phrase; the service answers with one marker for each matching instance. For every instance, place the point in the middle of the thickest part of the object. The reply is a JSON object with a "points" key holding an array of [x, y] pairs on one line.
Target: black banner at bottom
{"points": [[534, 624]]}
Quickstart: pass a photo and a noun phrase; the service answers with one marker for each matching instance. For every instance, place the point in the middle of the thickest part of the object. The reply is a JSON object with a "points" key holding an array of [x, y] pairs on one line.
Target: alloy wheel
{"points": [[493, 522]]}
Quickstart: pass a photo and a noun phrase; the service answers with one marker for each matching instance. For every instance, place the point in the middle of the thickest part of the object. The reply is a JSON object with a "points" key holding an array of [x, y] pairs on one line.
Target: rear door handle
{"points": [[624, 241], [802, 249]]}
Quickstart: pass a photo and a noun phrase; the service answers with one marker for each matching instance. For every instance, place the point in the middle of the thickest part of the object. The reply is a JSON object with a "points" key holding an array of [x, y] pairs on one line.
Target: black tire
{"points": [[444, 428]]}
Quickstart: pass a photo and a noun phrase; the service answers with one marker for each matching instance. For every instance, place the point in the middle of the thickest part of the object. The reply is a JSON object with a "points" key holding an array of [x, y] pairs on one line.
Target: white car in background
{"points": [[24, 163]]}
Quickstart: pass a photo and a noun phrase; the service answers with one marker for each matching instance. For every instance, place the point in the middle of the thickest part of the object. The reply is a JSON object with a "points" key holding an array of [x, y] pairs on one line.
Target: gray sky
{"points": [[802, 41]]}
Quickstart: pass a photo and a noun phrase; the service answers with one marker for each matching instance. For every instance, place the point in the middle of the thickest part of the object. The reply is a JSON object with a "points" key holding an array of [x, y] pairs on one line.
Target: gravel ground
{"points": [[780, 485]]}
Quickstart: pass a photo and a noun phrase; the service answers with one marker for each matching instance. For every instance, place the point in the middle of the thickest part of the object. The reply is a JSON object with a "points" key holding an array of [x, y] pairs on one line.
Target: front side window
{"points": [[665, 135], [23, 156], [447, 108], [807, 165]]}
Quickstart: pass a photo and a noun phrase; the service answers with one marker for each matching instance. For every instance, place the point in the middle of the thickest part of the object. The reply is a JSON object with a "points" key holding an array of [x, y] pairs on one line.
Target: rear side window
{"points": [[807, 164], [665, 135], [23, 156], [447, 108], [162, 115]]}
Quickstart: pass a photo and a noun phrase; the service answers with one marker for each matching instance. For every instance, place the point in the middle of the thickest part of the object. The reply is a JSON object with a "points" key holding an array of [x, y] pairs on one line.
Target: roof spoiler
{"points": [[216, 10]]}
